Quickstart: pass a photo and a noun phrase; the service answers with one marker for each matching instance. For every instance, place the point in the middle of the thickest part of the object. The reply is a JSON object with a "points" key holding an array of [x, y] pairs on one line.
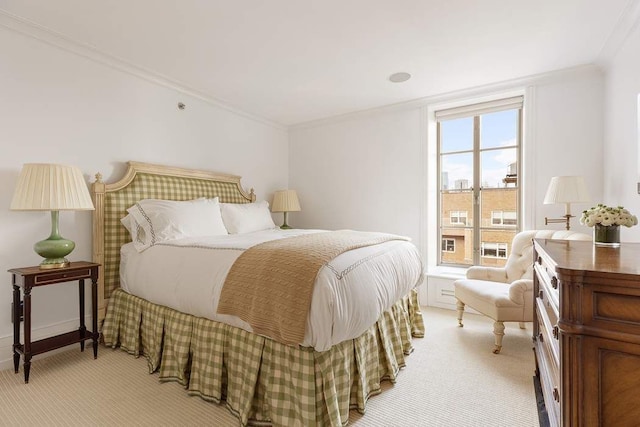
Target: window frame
{"points": [[476, 111], [446, 245], [498, 248], [458, 218], [502, 218]]}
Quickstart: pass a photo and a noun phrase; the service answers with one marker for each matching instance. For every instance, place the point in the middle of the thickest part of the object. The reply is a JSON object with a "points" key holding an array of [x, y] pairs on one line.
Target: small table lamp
{"points": [[567, 190], [285, 201], [48, 187]]}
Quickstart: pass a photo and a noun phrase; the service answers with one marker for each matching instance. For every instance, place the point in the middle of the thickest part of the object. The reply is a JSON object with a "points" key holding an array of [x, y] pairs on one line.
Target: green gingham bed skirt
{"points": [[260, 380]]}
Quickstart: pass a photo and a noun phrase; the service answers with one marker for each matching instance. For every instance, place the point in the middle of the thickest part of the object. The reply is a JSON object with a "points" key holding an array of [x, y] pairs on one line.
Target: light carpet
{"points": [[451, 379]]}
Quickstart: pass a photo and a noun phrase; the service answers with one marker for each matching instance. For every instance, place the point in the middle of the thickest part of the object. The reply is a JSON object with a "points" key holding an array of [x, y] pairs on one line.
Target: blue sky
{"points": [[496, 130]]}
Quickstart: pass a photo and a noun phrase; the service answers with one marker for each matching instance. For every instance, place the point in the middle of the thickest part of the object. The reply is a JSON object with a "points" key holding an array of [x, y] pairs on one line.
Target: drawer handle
{"points": [[554, 282], [540, 337], [556, 394], [540, 294], [556, 332], [540, 260]]}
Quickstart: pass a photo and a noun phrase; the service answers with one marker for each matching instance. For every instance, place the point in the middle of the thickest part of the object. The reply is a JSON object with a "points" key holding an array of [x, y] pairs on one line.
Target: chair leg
{"points": [[460, 307], [498, 331], [522, 325]]}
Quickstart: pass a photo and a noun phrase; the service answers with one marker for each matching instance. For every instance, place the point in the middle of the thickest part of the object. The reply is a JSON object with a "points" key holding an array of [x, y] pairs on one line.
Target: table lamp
{"points": [[50, 187], [285, 201], [567, 190]]}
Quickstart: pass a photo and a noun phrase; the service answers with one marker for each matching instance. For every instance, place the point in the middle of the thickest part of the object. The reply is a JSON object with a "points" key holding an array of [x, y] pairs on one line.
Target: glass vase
{"points": [[606, 235]]}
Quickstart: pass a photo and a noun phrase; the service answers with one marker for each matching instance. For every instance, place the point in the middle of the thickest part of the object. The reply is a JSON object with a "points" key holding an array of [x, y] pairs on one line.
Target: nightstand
{"points": [[30, 277]]}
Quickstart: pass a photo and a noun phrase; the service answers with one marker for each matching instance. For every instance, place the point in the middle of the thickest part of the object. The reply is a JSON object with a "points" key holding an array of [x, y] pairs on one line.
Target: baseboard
{"points": [[6, 342]]}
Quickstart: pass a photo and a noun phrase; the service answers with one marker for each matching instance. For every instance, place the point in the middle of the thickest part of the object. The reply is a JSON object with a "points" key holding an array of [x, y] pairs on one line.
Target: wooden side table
{"points": [[30, 277]]}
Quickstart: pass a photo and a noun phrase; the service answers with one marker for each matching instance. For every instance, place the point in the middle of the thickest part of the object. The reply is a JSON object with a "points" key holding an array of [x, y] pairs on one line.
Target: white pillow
{"points": [[246, 217], [164, 220], [135, 230]]}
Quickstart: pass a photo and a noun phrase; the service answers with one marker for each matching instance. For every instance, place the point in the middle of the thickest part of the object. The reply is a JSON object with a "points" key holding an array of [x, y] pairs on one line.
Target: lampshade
{"points": [[49, 187], [285, 201], [566, 189]]}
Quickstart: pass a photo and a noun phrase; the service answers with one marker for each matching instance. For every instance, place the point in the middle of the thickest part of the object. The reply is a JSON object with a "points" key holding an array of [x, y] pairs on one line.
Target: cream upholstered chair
{"points": [[506, 294]]}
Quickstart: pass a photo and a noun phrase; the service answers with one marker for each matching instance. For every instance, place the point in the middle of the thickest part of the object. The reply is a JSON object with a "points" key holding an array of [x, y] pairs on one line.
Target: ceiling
{"points": [[293, 61]]}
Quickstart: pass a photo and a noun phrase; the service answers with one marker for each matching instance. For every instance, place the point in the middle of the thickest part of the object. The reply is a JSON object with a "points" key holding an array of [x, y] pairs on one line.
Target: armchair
{"points": [[506, 294]]}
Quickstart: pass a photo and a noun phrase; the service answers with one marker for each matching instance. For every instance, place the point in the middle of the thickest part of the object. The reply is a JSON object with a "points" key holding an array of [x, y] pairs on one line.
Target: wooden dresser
{"points": [[587, 332]]}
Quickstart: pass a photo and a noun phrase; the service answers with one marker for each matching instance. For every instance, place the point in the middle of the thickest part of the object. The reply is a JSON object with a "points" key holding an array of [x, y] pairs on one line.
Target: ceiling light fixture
{"points": [[399, 77]]}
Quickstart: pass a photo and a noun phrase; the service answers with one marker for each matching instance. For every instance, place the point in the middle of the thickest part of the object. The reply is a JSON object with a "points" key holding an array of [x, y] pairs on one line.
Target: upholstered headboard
{"points": [[146, 181]]}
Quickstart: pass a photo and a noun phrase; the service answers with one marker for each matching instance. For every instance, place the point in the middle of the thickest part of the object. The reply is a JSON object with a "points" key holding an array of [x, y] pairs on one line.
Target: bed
{"points": [[260, 380]]}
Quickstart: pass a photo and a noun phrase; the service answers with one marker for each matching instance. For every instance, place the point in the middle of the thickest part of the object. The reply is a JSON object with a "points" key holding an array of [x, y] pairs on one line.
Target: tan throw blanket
{"points": [[270, 285]]}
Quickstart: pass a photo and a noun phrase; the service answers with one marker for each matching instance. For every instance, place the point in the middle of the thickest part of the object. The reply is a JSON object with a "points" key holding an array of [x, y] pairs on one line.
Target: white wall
{"points": [[621, 137], [59, 107], [567, 139], [367, 171], [361, 174]]}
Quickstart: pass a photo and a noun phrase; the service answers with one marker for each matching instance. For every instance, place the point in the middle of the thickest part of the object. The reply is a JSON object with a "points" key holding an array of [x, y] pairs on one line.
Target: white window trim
{"points": [[475, 112], [499, 246], [446, 245], [429, 224], [494, 216], [458, 216], [501, 218]]}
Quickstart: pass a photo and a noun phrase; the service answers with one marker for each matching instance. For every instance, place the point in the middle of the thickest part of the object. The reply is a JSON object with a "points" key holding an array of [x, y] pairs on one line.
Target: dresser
{"points": [[587, 332]]}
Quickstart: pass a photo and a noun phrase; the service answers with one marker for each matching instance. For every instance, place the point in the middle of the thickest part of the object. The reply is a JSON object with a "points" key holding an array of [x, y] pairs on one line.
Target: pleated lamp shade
{"points": [[50, 187], [285, 201]]}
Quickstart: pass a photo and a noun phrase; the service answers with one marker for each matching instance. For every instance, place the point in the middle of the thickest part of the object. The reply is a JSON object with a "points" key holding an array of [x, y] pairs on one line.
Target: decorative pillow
{"points": [[246, 217], [164, 220]]}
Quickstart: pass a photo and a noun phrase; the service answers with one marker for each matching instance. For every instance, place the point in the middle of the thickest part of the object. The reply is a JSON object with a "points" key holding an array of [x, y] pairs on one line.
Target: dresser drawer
{"points": [[548, 332], [549, 382], [56, 276], [546, 349], [544, 268]]}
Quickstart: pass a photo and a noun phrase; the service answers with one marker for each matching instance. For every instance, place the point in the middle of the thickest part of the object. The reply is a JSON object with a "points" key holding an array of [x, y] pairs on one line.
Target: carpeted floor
{"points": [[452, 379]]}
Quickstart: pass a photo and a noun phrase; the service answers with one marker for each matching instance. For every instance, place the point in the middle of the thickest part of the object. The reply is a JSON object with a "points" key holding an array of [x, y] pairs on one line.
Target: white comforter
{"points": [[350, 293]]}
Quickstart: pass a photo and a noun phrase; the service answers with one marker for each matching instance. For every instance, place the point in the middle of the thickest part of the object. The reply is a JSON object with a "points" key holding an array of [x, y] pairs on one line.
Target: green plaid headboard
{"points": [[146, 181]]}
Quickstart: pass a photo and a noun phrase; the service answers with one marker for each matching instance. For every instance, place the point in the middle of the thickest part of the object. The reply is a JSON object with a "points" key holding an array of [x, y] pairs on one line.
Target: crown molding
{"points": [[46, 35], [627, 22], [473, 92]]}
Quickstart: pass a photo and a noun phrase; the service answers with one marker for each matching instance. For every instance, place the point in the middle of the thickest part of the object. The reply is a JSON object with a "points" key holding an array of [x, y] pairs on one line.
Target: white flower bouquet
{"points": [[606, 216]]}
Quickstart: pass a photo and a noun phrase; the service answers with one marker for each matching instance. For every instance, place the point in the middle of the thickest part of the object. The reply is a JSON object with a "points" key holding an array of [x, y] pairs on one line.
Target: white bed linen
{"points": [[350, 292]]}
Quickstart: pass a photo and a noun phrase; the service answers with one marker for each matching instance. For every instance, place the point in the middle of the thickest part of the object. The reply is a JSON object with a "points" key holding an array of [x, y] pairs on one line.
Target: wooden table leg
{"points": [[16, 325], [94, 314], [83, 328], [27, 333]]}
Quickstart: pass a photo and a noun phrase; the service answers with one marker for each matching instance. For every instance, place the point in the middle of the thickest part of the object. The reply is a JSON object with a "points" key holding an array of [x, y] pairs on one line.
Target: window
{"points": [[493, 250], [479, 153], [504, 218], [458, 218], [448, 245]]}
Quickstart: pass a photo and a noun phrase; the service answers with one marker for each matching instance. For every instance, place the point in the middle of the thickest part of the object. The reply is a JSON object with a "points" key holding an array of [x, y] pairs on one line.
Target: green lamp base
{"points": [[284, 225], [54, 251], [55, 248]]}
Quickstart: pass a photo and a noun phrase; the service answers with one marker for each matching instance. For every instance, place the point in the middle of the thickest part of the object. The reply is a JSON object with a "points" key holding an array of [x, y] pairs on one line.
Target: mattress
{"points": [[350, 292]]}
